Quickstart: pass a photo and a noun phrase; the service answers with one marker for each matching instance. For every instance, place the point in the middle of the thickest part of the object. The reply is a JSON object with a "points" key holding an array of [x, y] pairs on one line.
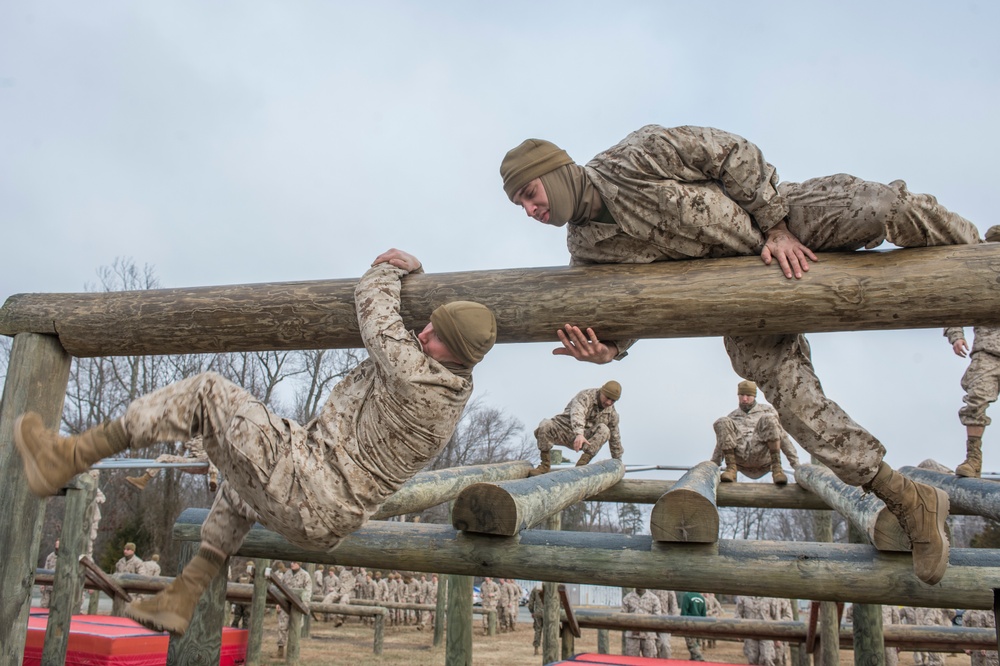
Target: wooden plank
{"points": [[687, 512], [852, 291], [739, 494], [804, 570], [507, 508], [977, 497], [37, 374], [863, 510]]}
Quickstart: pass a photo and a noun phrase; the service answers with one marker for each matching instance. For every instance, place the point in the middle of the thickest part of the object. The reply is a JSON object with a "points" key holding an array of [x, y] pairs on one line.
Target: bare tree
{"points": [[484, 434], [317, 372]]}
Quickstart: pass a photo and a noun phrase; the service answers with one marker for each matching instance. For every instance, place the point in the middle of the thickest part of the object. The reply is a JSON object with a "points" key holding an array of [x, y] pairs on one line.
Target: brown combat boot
{"points": [[584, 459], [140, 482], [51, 460], [543, 467], [171, 609], [973, 465], [777, 474], [729, 474], [921, 511]]}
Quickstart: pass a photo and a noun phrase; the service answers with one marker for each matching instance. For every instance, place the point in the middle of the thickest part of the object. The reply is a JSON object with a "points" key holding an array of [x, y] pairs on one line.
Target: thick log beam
{"points": [[945, 639], [504, 509], [853, 291], [428, 489], [747, 495], [974, 496], [865, 511], [687, 512], [803, 570]]}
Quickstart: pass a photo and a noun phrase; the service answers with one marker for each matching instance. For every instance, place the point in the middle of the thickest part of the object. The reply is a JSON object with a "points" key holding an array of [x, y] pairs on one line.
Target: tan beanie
{"points": [[531, 159], [468, 329], [129, 546], [993, 234], [156, 557], [612, 390], [746, 387]]}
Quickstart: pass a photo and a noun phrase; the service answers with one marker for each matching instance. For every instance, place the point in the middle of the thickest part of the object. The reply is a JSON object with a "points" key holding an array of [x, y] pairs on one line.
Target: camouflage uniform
{"points": [[536, 606], [46, 590], [411, 593], [689, 192], [513, 601], [925, 617], [765, 652], [668, 604], [981, 380], [431, 596], [296, 580], [317, 483], [713, 609], [746, 434], [241, 612], [129, 565], [490, 594], [340, 592], [641, 643], [582, 416], [693, 605], [503, 606], [94, 513], [984, 620]]}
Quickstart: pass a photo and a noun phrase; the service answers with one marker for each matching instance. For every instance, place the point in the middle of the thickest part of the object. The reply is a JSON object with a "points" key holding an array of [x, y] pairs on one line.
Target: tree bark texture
{"points": [[37, 374], [505, 509], [687, 512], [913, 288], [978, 497], [864, 511], [803, 570], [201, 644]]}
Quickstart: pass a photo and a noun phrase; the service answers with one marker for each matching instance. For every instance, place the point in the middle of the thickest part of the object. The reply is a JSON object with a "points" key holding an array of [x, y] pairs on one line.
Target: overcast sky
{"points": [[226, 143]]}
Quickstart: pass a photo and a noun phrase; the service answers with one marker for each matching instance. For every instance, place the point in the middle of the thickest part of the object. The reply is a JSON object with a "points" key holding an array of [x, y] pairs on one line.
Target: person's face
{"points": [[605, 401], [434, 347], [128, 552], [535, 202], [747, 400]]}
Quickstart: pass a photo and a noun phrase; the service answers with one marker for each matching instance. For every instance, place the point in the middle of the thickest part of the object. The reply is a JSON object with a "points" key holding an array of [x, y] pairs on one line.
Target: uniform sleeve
{"points": [[954, 334], [736, 163], [615, 440]]}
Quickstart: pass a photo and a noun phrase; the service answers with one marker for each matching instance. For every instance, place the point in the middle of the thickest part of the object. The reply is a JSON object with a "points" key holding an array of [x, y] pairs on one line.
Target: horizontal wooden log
{"points": [[911, 638], [348, 609], [687, 512], [747, 495], [853, 291], [504, 509], [428, 489], [804, 570], [978, 497], [235, 592], [865, 511]]}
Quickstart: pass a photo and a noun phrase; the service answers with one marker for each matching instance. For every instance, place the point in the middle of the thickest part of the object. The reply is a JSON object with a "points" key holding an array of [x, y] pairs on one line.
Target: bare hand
{"points": [[583, 347], [961, 347], [579, 442], [791, 254], [399, 259]]}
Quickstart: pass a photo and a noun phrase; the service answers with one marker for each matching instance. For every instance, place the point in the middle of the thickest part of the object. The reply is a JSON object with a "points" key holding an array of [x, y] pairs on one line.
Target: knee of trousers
{"points": [[974, 415], [726, 433], [598, 437], [768, 430], [228, 521]]}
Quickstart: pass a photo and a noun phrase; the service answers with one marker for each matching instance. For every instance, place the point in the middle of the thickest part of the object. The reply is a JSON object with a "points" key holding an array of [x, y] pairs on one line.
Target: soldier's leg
{"points": [[549, 433], [597, 437], [768, 434], [981, 382], [726, 438], [782, 368]]}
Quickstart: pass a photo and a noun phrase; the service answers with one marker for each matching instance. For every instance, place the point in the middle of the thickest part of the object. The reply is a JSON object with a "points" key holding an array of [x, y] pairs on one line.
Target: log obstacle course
{"points": [[852, 291]]}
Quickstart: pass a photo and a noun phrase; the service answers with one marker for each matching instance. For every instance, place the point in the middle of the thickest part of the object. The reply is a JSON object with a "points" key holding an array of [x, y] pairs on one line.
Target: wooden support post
{"points": [[37, 374], [491, 622], [202, 642], [458, 646], [869, 646], [505, 509], [570, 629], [307, 618], [687, 512], [440, 610], [379, 638], [567, 642], [428, 489], [257, 608], [850, 291], [294, 647], [863, 510], [805, 570], [603, 641], [975, 496], [67, 585], [551, 644]]}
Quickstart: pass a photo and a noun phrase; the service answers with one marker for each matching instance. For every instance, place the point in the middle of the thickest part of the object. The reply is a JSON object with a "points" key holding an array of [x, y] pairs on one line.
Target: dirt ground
{"points": [[352, 644]]}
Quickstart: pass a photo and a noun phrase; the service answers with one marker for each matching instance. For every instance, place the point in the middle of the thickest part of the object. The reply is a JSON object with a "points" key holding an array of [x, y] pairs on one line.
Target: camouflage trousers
{"points": [[753, 458], [557, 432], [981, 382], [537, 623], [663, 649], [694, 648], [764, 653], [252, 448], [828, 214], [640, 646]]}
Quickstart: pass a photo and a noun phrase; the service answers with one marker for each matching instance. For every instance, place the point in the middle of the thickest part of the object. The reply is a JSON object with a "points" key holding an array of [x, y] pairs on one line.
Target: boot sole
{"points": [[32, 471], [161, 621], [943, 506]]}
